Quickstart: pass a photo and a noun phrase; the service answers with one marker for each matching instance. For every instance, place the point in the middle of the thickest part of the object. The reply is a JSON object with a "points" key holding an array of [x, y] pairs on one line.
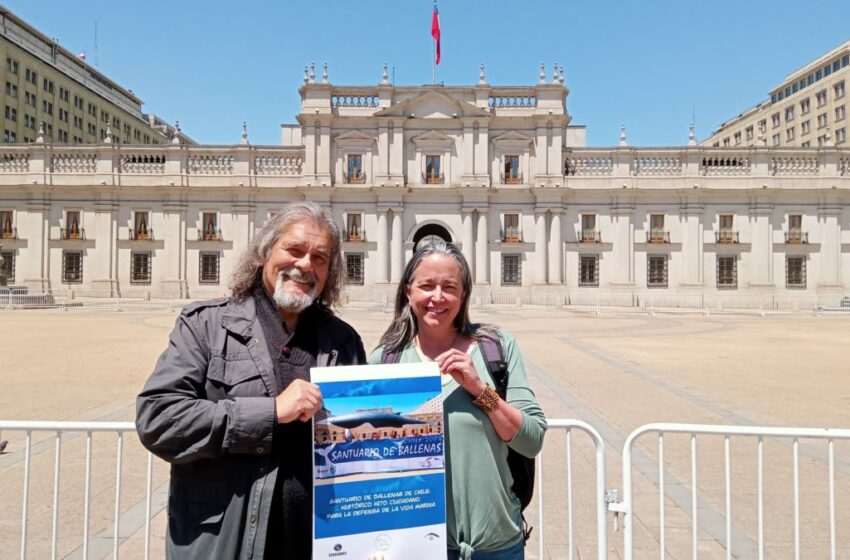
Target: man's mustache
{"points": [[298, 276]]}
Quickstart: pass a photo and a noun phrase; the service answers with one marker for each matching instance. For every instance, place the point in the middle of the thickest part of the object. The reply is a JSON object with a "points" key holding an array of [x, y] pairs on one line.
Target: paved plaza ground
{"points": [[614, 372]]}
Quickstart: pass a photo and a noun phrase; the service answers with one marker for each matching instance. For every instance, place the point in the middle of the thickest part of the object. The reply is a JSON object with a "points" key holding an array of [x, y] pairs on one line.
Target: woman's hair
{"points": [[404, 327], [249, 267]]}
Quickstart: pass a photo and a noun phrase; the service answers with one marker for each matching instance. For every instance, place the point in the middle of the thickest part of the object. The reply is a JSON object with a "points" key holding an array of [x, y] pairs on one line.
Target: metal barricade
{"points": [[59, 431], [699, 495]]}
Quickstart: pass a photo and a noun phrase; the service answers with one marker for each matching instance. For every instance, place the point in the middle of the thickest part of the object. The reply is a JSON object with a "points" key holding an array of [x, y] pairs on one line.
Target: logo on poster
{"points": [[338, 551], [383, 542]]}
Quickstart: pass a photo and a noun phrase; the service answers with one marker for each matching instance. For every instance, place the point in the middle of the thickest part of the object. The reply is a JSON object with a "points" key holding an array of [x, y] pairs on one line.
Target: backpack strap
{"points": [[491, 349], [390, 357]]}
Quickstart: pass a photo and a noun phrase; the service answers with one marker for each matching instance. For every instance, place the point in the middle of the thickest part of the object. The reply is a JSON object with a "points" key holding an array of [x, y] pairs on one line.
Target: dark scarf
{"points": [[290, 530]]}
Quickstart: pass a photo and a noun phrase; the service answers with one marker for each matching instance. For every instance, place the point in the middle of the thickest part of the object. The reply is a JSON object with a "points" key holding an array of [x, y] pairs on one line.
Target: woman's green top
{"points": [[482, 513]]}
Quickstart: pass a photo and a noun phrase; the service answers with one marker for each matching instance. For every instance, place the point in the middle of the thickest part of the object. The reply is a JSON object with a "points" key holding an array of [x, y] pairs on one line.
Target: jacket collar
{"points": [[240, 316]]}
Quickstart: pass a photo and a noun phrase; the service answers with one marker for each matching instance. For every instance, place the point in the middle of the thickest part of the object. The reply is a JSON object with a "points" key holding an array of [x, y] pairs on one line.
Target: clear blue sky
{"points": [[213, 64]]}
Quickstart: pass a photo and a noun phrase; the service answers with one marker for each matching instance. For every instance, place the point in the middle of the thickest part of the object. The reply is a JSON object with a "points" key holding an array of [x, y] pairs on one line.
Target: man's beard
{"points": [[293, 302]]}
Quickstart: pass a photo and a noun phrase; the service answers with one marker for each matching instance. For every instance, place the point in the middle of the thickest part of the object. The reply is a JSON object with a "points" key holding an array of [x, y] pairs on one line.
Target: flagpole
{"points": [[434, 63]]}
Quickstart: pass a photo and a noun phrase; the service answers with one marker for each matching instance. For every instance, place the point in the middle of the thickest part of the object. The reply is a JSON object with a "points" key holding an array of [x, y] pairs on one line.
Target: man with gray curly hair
{"points": [[229, 403]]}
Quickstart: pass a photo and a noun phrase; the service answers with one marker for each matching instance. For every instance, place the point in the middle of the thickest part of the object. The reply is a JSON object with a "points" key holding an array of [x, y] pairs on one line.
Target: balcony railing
{"points": [[9, 233], [656, 236], [355, 236], [511, 235], [796, 236], [72, 234], [355, 178], [432, 179], [208, 235], [589, 236], [145, 234], [511, 179], [725, 236]]}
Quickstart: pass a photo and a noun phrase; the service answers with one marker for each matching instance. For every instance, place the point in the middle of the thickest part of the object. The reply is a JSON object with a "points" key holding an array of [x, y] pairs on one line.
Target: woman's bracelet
{"points": [[488, 400]]}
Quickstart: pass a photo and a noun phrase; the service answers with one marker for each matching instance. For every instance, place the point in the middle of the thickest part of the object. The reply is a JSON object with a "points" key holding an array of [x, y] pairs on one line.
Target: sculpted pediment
{"points": [[354, 136], [433, 105], [512, 138], [433, 138]]}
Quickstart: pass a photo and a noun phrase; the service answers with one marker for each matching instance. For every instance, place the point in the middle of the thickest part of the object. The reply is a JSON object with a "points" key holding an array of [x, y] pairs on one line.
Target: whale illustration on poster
{"points": [[379, 463]]}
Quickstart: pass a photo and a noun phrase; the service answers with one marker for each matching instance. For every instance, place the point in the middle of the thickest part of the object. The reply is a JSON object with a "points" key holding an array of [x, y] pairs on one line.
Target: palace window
{"points": [[209, 227], [433, 172], [8, 266], [840, 113], [763, 126], [775, 120], [806, 144], [11, 90], [72, 229], [512, 176], [588, 233], [511, 270], [208, 272], [7, 225], [737, 137], [354, 227], [72, 267], [821, 97], [141, 225], [749, 132], [354, 268], [30, 99], [510, 229], [656, 230], [10, 136], [839, 89], [805, 106], [776, 139], [805, 128], [47, 107], [795, 229], [840, 135], [789, 134], [354, 169], [789, 113], [64, 95], [656, 271], [588, 270], [48, 85], [727, 272], [726, 234], [32, 77], [12, 66], [140, 267], [11, 114], [795, 272]]}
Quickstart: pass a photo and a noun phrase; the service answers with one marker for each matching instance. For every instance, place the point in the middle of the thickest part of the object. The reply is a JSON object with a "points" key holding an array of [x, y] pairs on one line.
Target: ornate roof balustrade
{"points": [[677, 167], [151, 166]]}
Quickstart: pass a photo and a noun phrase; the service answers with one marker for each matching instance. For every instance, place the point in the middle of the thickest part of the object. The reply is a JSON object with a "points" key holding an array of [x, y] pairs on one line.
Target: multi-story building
{"points": [[808, 109], [499, 171], [47, 85]]}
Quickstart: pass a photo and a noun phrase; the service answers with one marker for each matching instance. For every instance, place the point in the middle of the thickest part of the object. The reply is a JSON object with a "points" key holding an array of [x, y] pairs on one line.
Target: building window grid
{"points": [[839, 90], [9, 266], [795, 271], [588, 270], [140, 267], [840, 135], [511, 270], [72, 267], [354, 268], [840, 113], [789, 134], [805, 106], [656, 271], [789, 113], [727, 272], [209, 268]]}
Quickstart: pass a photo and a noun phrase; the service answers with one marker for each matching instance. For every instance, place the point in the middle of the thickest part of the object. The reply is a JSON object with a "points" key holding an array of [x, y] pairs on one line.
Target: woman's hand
{"points": [[459, 365]]}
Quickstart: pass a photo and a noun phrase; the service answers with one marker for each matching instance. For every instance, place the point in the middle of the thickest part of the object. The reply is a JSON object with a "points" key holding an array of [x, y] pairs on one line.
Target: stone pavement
{"points": [[614, 372]]}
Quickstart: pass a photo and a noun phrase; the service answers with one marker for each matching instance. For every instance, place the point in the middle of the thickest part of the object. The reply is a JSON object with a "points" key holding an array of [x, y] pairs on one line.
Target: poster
{"points": [[379, 463]]}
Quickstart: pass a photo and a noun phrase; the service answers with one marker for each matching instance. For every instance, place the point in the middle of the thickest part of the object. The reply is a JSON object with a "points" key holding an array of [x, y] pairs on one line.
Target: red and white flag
{"points": [[435, 32]]}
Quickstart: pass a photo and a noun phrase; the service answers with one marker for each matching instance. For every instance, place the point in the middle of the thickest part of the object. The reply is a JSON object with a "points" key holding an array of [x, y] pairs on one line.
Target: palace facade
{"points": [[498, 170]]}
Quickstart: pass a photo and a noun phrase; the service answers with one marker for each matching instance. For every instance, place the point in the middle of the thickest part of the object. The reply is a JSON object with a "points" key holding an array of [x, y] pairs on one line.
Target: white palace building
{"points": [[497, 170]]}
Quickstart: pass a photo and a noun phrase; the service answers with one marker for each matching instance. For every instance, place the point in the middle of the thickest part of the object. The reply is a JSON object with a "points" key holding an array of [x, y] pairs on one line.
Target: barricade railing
{"points": [[699, 495], [59, 431], [600, 511]]}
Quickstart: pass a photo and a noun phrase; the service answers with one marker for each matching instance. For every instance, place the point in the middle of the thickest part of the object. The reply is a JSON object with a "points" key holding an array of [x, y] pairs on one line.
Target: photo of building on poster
{"points": [[379, 462], [380, 426]]}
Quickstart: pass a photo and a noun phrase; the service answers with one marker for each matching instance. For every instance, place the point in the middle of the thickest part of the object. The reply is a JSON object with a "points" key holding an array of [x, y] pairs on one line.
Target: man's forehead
{"points": [[312, 236]]}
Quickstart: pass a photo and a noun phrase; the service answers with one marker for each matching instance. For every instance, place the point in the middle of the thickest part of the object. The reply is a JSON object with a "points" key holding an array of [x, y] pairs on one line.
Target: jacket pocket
{"points": [[200, 503], [233, 377]]}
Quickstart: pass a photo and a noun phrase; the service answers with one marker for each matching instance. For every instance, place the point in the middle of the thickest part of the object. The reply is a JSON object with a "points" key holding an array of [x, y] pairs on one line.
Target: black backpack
{"points": [[522, 467]]}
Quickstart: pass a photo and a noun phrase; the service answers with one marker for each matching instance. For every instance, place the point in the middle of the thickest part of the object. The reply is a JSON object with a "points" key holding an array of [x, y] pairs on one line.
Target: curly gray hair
{"points": [[251, 261]]}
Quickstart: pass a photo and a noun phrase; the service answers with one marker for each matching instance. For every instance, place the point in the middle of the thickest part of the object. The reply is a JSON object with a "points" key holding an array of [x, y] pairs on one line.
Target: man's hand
{"points": [[300, 401]]}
